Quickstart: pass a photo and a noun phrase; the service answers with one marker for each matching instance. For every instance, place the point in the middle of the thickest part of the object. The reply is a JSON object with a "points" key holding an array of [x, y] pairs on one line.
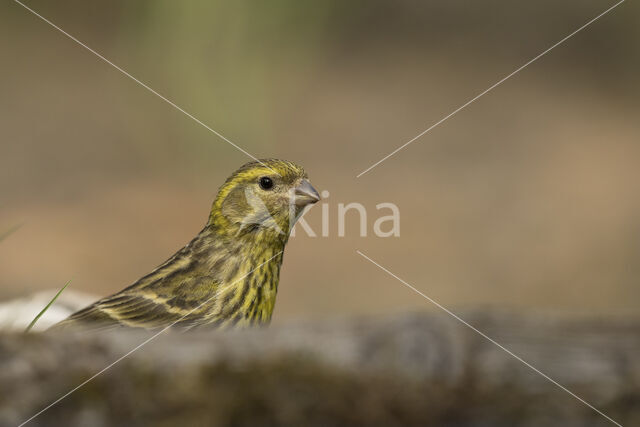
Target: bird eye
{"points": [[266, 183]]}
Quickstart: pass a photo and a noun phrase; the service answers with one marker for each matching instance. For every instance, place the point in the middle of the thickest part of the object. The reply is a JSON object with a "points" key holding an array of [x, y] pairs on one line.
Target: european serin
{"points": [[228, 274]]}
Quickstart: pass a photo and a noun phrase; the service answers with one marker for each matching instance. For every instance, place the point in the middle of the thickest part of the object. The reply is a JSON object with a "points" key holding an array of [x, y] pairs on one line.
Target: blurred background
{"points": [[525, 200]]}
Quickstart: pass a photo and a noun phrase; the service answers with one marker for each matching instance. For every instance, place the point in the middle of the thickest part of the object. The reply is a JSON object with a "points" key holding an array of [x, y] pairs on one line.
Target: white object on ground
{"points": [[16, 314]]}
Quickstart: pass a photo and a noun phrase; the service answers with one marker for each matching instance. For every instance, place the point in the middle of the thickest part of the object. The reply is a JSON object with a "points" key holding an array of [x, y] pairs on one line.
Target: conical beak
{"points": [[305, 194]]}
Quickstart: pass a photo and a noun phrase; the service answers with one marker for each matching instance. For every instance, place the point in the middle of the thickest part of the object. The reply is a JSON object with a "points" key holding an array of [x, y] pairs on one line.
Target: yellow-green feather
{"points": [[226, 276]]}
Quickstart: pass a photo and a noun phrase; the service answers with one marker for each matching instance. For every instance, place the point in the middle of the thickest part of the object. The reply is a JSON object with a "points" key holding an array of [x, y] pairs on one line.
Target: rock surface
{"points": [[421, 369]]}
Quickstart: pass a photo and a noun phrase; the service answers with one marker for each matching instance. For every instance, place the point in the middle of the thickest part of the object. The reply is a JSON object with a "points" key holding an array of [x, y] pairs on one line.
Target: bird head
{"points": [[265, 196]]}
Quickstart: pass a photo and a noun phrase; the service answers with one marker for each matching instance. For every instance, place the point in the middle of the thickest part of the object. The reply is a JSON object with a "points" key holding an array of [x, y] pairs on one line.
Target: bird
{"points": [[228, 275]]}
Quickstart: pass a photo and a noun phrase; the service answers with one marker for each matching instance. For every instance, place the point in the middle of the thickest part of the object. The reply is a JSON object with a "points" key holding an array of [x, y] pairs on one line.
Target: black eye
{"points": [[266, 183]]}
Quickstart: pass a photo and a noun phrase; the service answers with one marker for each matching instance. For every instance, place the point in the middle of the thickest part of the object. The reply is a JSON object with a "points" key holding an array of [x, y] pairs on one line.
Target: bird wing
{"points": [[120, 310], [145, 307]]}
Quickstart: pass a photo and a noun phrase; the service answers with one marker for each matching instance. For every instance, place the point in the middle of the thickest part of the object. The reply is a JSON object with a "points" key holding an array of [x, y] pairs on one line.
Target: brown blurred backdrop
{"points": [[527, 199]]}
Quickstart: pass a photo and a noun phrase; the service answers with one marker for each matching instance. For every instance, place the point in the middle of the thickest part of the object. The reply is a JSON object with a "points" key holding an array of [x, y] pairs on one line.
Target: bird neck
{"points": [[231, 245], [247, 232]]}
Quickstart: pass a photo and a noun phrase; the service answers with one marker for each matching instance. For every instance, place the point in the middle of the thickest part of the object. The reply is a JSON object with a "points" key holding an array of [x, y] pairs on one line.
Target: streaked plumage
{"points": [[228, 274]]}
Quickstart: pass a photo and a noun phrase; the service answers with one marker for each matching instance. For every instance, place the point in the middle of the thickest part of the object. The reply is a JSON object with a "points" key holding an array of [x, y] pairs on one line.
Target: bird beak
{"points": [[305, 194]]}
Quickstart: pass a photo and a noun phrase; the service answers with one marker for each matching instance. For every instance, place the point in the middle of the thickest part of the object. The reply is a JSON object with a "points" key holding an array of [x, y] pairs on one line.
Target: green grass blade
{"points": [[33, 322], [9, 232]]}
